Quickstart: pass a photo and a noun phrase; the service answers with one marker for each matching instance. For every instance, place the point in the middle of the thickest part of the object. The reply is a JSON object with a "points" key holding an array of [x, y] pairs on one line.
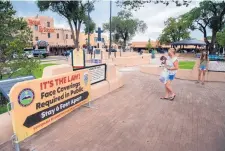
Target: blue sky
{"points": [[154, 16]]}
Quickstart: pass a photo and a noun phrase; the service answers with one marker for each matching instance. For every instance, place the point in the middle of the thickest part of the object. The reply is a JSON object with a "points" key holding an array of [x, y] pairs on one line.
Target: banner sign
{"points": [[40, 102], [78, 60], [97, 73]]}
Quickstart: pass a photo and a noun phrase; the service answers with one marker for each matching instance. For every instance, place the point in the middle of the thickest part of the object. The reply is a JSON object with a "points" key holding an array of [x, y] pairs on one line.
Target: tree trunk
{"points": [[124, 44], [78, 34], [77, 28], [213, 40], [72, 30]]}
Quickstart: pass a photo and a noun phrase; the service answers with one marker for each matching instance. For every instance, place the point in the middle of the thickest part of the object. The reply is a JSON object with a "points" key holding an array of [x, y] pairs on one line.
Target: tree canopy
{"points": [[149, 45], [124, 27], [74, 11], [220, 37], [175, 30], [92, 26], [15, 35], [136, 4], [209, 14]]}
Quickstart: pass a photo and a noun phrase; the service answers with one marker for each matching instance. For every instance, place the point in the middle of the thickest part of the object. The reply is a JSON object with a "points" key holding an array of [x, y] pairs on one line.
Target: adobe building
{"points": [[137, 46], [58, 40]]}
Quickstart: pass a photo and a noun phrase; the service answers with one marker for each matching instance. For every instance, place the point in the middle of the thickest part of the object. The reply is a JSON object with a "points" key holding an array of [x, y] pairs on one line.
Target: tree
{"points": [[220, 37], [175, 30], [136, 4], [209, 14], [198, 18], [124, 27], [92, 26], [149, 45], [15, 35], [74, 11]]}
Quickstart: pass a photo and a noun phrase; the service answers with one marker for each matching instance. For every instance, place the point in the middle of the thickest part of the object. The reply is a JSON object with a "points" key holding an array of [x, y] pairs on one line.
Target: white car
{"points": [[27, 54]]}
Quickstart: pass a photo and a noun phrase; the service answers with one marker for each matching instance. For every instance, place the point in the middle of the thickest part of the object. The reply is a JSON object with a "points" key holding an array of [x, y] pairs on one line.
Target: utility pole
{"points": [[110, 32], [88, 26]]}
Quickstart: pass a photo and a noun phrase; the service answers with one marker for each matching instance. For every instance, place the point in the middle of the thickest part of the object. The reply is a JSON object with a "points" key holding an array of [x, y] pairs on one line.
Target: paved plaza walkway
{"points": [[133, 118]]}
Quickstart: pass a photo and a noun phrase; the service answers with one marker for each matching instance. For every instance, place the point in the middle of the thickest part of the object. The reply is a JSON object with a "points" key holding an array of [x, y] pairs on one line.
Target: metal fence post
{"points": [[15, 142], [101, 56]]}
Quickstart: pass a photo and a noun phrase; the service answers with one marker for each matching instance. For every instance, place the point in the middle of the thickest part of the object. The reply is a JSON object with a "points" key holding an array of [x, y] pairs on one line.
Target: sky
{"points": [[152, 14]]}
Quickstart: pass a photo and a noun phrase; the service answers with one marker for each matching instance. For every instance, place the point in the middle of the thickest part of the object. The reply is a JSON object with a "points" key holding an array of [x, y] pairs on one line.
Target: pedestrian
{"points": [[171, 65], [203, 67], [66, 55], [153, 53]]}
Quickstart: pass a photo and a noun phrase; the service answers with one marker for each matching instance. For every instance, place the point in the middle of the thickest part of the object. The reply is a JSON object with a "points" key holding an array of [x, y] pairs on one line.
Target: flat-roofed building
{"points": [[156, 45], [143, 45], [58, 39]]}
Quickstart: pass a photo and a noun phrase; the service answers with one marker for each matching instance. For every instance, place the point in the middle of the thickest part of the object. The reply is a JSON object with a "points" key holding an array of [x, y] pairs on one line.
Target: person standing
{"points": [[172, 66], [153, 53], [203, 67]]}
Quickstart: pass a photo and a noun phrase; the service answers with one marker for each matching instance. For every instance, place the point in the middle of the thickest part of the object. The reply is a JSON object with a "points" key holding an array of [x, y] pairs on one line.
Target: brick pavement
{"points": [[133, 118]]}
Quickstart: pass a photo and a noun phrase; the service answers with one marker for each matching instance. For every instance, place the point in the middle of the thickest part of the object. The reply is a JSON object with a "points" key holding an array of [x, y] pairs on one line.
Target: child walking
{"points": [[203, 67]]}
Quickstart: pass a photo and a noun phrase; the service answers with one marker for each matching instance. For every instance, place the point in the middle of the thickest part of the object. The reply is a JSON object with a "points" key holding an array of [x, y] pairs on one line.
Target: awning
{"points": [[62, 46], [189, 42]]}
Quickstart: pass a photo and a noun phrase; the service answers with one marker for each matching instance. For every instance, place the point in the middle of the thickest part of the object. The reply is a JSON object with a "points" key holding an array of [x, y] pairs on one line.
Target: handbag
{"points": [[164, 76]]}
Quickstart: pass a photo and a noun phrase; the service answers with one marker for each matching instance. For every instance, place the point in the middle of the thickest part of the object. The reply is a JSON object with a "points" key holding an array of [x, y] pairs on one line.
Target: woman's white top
{"points": [[170, 63]]}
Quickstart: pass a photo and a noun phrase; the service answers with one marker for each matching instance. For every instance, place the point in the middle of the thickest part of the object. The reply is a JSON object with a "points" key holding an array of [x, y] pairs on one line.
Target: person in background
{"points": [[94, 48], [172, 66], [153, 53], [203, 67]]}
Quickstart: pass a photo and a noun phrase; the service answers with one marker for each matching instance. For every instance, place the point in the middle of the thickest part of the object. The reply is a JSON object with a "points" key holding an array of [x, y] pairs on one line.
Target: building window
{"points": [[48, 24], [36, 27], [96, 39], [71, 36], [36, 38], [49, 35], [66, 36], [57, 35]]}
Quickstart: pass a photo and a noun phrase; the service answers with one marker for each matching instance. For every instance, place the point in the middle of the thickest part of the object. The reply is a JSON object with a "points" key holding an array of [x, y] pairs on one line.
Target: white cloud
{"points": [[154, 16]]}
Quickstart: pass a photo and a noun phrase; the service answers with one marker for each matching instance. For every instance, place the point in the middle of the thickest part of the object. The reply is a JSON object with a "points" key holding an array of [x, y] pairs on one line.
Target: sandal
{"points": [[172, 98], [164, 98]]}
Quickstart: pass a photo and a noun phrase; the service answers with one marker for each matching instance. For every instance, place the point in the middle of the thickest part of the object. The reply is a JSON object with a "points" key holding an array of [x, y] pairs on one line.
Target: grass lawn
{"points": [[3, 109], [186, 64], [37, 72]]}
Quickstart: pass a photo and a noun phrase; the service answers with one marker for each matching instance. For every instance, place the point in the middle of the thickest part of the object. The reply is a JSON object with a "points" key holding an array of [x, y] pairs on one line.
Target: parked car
{"points": [[26, 54], [40, 53], [160, 50], [29, 54]]}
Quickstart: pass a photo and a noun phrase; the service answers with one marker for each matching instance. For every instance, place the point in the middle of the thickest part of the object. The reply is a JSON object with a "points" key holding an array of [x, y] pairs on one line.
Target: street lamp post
{"points": [[88, 25], [110, 31]]}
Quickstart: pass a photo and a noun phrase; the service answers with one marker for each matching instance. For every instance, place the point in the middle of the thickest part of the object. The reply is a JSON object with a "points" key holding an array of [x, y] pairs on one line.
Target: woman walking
{"points": [[203, 67], [172, 66]]}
